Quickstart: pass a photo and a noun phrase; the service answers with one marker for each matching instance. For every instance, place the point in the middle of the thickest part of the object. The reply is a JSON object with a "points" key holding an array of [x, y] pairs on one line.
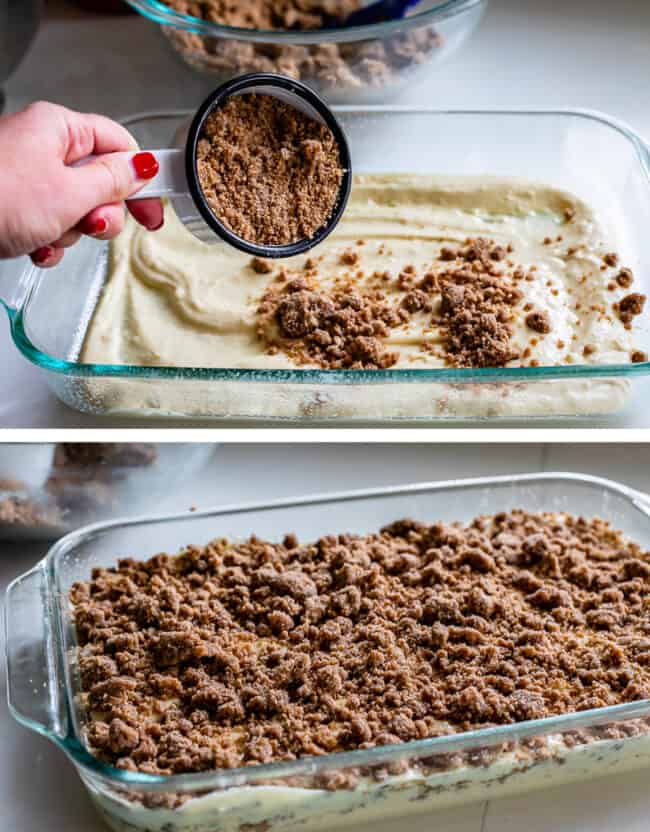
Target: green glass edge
{"points": [[326, 377]]}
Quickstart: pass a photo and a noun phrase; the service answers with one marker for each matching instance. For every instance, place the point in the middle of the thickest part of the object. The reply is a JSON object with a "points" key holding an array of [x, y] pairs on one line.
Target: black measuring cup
{"points": [[177, 178]]}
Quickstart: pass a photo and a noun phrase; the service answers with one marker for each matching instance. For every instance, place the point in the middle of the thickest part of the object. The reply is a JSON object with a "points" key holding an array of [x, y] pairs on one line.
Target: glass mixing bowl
{"points": [[362, 64], [47, 489]]}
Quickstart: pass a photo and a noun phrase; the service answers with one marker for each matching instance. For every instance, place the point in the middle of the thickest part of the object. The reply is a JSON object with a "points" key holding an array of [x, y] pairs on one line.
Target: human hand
{"points": [[46, 204]]}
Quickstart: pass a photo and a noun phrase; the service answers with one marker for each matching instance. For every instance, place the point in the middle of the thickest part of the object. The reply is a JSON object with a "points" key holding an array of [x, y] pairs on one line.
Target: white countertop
{"points": [[557, 53], [39, 790]]}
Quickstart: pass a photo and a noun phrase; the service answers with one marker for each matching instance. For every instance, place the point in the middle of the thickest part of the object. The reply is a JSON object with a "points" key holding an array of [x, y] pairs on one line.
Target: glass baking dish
{"points": [[355, 65], [602, 162], [336, 789]]}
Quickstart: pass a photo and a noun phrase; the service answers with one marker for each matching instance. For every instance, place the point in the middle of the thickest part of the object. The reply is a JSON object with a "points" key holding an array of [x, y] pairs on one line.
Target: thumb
{"points": [[111, 177]]}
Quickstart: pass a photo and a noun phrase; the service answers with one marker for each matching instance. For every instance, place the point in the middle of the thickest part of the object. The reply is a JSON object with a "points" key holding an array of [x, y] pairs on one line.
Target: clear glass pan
{"points": [[313, 793], [599, 160]]}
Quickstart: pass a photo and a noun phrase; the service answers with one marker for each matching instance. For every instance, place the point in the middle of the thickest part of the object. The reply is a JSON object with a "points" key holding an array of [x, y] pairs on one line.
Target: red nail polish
{"points": [[145, 164], [99, 226], [157, 227], [42, 254]]}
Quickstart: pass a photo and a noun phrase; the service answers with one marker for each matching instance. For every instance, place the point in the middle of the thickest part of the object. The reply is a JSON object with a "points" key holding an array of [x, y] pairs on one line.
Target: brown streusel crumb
{"points": [[238, 653], [470, 293], [261, 266], [336, 330], [625, 278], [477, 302], [350, 257], [630, 306], [539, 322], [269, 172], [25, 512], [328, 66], [269, 14]]}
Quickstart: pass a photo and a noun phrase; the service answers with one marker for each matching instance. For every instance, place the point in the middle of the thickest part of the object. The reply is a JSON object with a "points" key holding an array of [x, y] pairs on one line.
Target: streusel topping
{"points": [[239, 653]]}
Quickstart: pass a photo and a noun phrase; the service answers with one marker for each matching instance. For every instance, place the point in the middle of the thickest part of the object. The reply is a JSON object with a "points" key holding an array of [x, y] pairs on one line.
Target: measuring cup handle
{"points": [[33, 689], [170, 181]]}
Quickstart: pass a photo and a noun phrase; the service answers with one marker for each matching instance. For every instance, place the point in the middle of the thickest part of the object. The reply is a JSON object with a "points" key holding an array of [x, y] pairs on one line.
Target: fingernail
{"points": [[98, 226], [156, 227], [42, 254], [145, 164]]}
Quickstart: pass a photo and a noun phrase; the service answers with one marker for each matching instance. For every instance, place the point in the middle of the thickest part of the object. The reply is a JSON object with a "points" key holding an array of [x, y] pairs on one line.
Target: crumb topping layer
{"points": [[241, 653]]}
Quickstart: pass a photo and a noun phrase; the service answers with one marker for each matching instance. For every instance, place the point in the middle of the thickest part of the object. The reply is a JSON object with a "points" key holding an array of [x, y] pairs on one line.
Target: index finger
{"points": [[90, 133]]}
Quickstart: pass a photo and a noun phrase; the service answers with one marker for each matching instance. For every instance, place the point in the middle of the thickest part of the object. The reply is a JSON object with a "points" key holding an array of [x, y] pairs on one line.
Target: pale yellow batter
{"points": [[171, 300]]}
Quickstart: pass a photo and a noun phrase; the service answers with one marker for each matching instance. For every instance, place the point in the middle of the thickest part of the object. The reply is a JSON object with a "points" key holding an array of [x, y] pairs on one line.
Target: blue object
{"points": [[379, 12]]}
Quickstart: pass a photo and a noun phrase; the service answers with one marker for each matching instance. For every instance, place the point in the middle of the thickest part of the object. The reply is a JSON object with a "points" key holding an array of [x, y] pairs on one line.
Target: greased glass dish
{"points": [[311, 793], [46, 490], [602, 162], [355, 65]]}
